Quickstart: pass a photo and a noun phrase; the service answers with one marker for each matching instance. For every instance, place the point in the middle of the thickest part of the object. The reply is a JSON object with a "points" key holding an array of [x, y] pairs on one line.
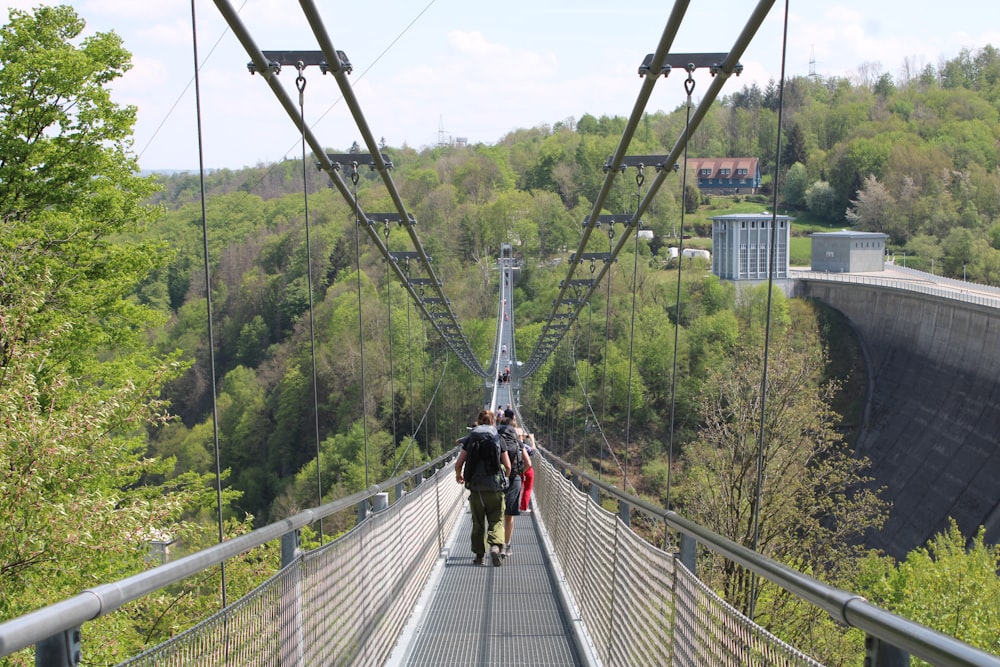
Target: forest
{"points": [[118, 391]]}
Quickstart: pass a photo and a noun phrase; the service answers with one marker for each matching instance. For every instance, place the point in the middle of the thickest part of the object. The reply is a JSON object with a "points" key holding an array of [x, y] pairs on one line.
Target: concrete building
{"points": [[846, 251], [741, 244]]}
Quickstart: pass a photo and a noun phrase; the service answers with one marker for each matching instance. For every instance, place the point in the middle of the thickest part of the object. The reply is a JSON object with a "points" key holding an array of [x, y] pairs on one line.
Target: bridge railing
{"points": [[922, 283], [343, 603], [643, 606]]}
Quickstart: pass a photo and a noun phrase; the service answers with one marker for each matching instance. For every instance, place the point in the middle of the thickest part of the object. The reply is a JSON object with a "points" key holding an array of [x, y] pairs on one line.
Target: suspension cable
{"points": [[590, 359], [689, 89], [208, 300], [392, 373], [361, 323], [592, 414], [423, 417], [772, 261], [300, 85], [193, 81], [409, 357], [639, 179], [607, 342]]}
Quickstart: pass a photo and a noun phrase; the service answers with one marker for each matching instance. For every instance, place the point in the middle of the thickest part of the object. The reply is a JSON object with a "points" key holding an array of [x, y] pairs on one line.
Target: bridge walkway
{"points": [[485, 615]]}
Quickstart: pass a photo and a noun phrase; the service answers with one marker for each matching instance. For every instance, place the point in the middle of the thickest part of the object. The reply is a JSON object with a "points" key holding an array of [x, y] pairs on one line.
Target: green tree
{"points": [[79, 495], [928, 249], [795, 146], [822, 200], [813, 503], [796, 183], [950, 585], [874, 211], [68, 187]]}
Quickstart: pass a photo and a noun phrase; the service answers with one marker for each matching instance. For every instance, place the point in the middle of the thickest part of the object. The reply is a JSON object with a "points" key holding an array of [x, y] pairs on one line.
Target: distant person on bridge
{"points": [[529, 474], [484, 468], [520, 461], [503, 349]]}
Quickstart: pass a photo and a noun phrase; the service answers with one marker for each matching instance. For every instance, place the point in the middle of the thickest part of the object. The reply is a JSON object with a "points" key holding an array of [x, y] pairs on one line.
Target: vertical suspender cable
{"points": [[639, 178], [563, 392], [688, 88], [607, 341], [409, 357], [590, 363], [300, 85], [392, 380], [361, 321], [208, 299], [772, 261]]}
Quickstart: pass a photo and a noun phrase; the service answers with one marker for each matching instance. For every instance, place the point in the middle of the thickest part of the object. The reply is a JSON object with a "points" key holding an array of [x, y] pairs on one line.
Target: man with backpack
{"points": [[484, 468], [520, 461]]}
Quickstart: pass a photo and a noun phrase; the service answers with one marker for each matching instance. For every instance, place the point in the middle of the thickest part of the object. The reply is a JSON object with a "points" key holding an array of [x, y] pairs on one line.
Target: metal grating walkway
{"points": [[507, 615]]}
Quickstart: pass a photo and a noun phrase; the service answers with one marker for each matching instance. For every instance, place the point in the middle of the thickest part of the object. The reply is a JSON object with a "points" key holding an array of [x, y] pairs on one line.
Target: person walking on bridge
{"points": [[520, 462], [528, 440], [483, 468]]}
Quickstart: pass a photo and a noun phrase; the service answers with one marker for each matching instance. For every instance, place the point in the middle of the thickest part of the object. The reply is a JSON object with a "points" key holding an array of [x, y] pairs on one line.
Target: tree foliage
{"points": [[951, 585], [80, 389], [810, 508]]}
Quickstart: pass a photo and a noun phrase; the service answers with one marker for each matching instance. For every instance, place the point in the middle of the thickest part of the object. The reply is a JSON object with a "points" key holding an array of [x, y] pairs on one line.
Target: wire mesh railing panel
{"points": [[639, 605], [359, 597], [710, 631], [644, 578], [583, 538], [342, 604], [259, 629]]}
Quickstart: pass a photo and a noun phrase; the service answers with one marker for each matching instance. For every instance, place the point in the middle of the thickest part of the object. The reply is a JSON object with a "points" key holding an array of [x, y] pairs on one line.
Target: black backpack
{"points": [[482, 462], [512, 445]]}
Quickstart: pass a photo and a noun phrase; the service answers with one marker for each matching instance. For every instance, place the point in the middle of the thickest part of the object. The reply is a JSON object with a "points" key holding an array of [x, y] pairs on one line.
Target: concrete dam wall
{"points": [[932, 430]]}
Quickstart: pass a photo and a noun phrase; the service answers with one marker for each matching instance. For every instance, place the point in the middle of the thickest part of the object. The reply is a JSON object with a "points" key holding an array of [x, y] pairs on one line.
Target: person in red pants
{"points": [[528, 479]]}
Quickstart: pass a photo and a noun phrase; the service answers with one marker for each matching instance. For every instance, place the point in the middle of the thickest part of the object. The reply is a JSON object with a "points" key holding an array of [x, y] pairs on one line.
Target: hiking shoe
{"points": [[478, 560], [495, 556]]}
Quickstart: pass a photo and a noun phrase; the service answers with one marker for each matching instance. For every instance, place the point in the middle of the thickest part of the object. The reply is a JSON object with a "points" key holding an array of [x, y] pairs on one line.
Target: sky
{"points": [[432, 70]]}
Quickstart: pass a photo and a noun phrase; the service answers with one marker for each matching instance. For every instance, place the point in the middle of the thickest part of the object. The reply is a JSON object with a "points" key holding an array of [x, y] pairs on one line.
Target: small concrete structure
{"points": [[847, 251], [741, 244]]}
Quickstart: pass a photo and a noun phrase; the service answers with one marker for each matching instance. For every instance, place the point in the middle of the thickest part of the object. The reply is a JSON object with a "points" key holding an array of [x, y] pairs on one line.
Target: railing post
{"points": [[380, 502], [362, 510], [292, 639], [289, 547], [62, 650], [881, 654], [595, 494], [689, 552], [625, 512], [400, 490]]}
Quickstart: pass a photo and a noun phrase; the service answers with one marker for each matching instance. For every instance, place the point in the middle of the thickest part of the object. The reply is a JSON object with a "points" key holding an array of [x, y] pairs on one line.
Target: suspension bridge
{"points": [[400, 588]]}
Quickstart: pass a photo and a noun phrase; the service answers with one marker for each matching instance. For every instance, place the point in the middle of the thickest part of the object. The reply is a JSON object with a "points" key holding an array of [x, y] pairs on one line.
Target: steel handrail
{"points": [[39, 625], [846, 607]]}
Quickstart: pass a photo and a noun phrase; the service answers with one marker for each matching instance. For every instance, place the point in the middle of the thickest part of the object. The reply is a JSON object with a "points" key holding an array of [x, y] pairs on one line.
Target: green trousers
{"points": [[487, 519]]}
